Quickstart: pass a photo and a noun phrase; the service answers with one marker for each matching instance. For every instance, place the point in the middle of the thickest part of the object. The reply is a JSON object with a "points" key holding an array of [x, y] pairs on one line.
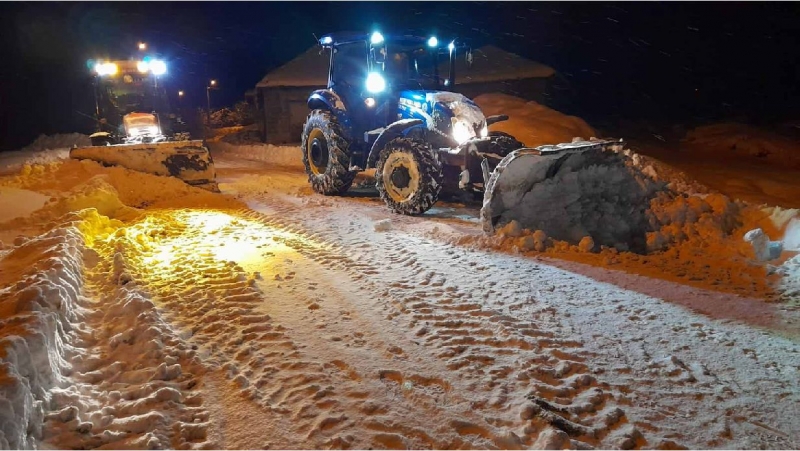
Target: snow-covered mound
{"points": [[532, 123], [57, 141], [734, 139], [40, 282], [81, 372], [44, 149]]}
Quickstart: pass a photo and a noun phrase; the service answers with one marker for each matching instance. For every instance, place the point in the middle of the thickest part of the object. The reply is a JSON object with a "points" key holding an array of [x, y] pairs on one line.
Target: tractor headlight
{"points": [[143, 67], [375, 82], [106, 69], [158, 67], [462, 132]]}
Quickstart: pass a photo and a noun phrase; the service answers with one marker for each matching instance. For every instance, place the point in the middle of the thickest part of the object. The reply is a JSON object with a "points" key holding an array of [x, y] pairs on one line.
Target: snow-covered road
{"points": [[517, 333], [285, 319]]}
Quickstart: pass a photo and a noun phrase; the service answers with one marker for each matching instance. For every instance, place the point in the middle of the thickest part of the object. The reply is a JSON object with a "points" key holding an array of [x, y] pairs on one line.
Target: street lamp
{"points": [[211, 85], [142, 46]]}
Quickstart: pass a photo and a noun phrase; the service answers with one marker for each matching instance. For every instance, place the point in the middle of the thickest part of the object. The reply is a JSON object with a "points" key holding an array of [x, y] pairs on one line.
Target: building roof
{"points": [[308, 69], [489, 64]]}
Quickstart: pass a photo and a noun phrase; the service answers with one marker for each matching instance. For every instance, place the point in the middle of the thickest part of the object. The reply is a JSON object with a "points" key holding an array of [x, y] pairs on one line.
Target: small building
{"points": [[282, 94]]}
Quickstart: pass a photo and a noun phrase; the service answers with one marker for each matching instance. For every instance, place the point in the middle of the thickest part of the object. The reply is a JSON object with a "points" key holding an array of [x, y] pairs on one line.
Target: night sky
{"points": [[682, 62]]}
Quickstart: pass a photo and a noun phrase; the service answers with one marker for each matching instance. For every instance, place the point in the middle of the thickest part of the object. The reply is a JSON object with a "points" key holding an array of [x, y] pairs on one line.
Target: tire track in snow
{"points": [[527, 370], [666, 384], [111, 374]]}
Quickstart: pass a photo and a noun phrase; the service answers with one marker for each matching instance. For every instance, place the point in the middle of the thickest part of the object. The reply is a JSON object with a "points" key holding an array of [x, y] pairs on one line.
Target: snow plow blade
{"points": [[510, 193], [189, 161]]}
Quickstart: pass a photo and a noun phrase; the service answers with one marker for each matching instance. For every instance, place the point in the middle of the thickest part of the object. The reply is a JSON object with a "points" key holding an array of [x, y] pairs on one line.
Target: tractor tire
{"points": [[502, 143], [325, 154], [408, 176]]}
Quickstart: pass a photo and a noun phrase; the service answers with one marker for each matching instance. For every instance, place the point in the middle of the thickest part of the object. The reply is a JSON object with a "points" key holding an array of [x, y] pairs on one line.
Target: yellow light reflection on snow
{"points": [[173, 241]]}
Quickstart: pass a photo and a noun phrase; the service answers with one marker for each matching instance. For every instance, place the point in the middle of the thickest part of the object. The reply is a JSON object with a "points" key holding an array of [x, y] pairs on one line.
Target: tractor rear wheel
{"points": [[502, 143], [408, 176], [325, 154]]}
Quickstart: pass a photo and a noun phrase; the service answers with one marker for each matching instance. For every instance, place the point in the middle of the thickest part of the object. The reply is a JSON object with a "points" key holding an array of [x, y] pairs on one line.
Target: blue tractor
{"points": [[386, 107]]}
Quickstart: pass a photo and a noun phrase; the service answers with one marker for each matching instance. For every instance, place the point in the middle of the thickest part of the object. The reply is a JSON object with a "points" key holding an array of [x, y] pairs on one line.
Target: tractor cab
{"points": [[387, 107], [372, 75]]}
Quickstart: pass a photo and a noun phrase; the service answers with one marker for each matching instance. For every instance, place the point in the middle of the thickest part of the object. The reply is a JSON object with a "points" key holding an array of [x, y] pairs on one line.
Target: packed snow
{"points": [[140, 312], [738, 140]]}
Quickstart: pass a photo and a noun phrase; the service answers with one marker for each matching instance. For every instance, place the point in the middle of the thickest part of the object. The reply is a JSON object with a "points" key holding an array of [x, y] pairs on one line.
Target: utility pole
{"points": [[211, 85], [96, 104]]}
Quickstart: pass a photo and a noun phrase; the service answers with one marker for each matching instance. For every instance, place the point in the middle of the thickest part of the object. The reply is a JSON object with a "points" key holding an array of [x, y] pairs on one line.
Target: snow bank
{"points": [[114, 191], [44, 149], [57, 141], [16, 203], [532, 123], [71, 365], [734, 139], [40, 282], [268, 153]]}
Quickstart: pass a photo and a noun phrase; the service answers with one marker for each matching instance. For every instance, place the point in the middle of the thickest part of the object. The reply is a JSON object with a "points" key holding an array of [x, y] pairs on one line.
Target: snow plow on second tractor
{"points": [[386, 108], [136, 129]]}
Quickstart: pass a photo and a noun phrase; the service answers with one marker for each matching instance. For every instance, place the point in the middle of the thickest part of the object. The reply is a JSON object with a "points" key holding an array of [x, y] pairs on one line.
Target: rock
{"points": [[540, 240], [513, 229], [384, 225], [627, 437], [774, 249], [509, 440], [763, 248], [586, 245], [551, 439], [527, 243]]}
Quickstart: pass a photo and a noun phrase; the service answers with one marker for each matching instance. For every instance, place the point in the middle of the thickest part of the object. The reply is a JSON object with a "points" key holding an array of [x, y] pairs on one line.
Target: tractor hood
{"points": [[446, 113]]}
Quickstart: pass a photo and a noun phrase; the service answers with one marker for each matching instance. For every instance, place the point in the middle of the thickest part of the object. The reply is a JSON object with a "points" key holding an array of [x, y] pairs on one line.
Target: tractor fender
{"points": [[325, 99], [495, 119], [392, 131]]}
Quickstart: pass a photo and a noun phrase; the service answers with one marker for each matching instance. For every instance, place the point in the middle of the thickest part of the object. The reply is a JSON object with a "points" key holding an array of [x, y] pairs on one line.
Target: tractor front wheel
{"points": [[325, 154], [408, 176]]}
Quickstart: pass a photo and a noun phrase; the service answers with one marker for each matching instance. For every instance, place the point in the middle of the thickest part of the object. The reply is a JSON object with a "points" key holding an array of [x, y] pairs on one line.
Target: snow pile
{"points": [[267, 153], [40, 285], [789, 286], [532, 123], [620, 208], [595, 193], [74, 185], [57, 141], [733, 139], [133, 379], [45, 149]]}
